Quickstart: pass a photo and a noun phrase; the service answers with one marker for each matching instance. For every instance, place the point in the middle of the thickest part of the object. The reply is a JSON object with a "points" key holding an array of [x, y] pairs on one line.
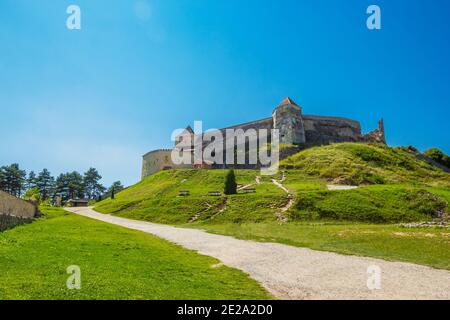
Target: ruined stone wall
{"points": [[12, 206], [325, 130], [266, 123], [376, 135]]}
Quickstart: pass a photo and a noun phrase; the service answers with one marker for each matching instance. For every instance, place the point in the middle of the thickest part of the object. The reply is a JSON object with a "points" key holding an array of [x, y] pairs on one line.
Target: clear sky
{"points": [[104, 95]]}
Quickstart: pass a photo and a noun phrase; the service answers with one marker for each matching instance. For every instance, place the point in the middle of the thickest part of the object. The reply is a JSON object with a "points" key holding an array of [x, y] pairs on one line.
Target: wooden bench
{"points": [[248, 190], [183, 193], [214, 193]]}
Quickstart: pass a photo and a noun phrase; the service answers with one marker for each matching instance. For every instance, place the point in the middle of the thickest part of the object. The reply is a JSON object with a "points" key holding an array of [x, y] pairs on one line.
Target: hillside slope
{"points": [[356, 163], [156, 198], [395, 187]]}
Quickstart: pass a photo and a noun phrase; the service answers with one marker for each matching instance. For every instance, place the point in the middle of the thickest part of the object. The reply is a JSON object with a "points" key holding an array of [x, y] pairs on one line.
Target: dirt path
{"points": [[281, 214], [333, 187], [297, 273], [279, 185]]}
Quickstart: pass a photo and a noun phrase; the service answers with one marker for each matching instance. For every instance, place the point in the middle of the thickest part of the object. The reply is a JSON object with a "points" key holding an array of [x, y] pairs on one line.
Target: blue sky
{"points": [[104, 95]]}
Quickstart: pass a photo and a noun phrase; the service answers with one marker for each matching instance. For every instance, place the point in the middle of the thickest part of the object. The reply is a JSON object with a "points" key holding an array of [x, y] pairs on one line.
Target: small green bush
{"points": [[230, 183]]}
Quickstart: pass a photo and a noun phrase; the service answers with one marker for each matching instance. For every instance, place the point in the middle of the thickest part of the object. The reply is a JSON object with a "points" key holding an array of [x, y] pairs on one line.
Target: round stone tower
{"points": [[287, 118]]}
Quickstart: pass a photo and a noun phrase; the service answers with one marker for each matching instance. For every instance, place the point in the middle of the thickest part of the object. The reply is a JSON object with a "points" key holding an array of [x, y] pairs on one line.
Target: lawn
{"points": [[116, 263], [429, 247]]}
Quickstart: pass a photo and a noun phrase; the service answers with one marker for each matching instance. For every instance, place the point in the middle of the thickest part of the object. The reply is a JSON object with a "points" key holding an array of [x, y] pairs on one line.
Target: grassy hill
{"points": [[395, 187], [356, 163], [156, 198]]}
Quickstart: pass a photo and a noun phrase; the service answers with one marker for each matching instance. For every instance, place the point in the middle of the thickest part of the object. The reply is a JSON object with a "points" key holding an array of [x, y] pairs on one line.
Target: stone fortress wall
{"points": [[15, 211], [295, 129], [12, 206], [159, 160]]}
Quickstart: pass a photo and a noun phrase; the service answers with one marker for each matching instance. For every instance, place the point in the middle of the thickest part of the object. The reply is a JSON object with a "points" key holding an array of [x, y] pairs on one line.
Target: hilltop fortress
{"points": [[295, 129]]}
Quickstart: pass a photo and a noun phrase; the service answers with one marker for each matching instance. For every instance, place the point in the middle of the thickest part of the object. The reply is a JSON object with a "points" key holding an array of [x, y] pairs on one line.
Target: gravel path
{"points": [[296, 273], [281, 214]]}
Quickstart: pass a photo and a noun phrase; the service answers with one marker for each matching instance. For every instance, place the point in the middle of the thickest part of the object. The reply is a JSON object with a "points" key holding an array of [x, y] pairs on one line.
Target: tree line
{"points": [[44, 187]]}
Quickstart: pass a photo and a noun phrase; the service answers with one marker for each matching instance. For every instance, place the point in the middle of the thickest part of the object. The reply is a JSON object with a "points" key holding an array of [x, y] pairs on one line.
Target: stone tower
{"points": [[287, 118]]}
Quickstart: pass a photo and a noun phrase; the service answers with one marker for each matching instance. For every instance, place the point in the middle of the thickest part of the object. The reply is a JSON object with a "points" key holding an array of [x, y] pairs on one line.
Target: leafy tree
{"points": [[230, 183], [45, 183], [438, 156], [33, 194], [92, 187], [12, 179]]}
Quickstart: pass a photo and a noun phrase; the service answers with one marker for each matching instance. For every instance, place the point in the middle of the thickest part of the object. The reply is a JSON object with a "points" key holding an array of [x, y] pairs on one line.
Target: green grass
{"points": [[357, 163], [376, 204], [116, 263], [156, 198], [429, 247]]}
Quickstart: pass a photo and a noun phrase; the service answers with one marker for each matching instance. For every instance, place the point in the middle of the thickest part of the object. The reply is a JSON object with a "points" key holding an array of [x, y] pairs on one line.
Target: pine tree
{"points": [[69, 186], [12, 179], [92, 187], [230, 183], [45, 183], [114, 189], [31, 180]]}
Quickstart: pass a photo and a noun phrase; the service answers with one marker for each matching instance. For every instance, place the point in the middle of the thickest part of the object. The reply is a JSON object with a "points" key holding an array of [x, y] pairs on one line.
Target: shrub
{"points": [[33, 194], [230, 183], [438, 156]]}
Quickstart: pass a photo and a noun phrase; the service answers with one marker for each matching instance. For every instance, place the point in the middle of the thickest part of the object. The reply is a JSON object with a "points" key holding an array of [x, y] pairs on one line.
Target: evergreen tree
{"points": [[12, 179], [62, 187], [2, 179], [31, 180], [69, 186], [76, 185], [230, 183], [45, 183], [113, 190], [92, 187]]}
